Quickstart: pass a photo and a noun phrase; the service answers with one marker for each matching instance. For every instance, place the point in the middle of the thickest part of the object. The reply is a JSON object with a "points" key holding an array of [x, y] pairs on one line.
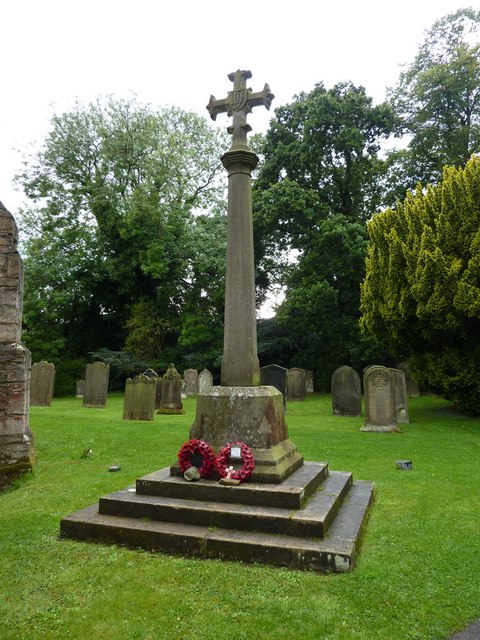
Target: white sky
{"points": [[179, 52]]}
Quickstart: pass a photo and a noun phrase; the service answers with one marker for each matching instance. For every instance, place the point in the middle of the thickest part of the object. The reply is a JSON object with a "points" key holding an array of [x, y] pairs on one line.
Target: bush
{"points": [[67, 372]]}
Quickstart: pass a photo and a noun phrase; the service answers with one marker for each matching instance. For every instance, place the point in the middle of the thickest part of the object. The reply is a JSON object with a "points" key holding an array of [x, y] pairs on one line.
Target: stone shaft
{"points": [[240, 367]]}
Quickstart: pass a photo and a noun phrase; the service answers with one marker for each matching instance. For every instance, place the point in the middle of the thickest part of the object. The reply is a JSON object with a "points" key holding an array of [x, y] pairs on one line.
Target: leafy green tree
{"points": [[437, 98], [114, 190], [316, 187], [421, 293]]}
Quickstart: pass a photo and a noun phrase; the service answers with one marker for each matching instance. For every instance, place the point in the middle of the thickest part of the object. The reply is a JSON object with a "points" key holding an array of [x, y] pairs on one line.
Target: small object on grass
{"points": [[87, 453], [115, 467], [192, 474], [405, 465]]}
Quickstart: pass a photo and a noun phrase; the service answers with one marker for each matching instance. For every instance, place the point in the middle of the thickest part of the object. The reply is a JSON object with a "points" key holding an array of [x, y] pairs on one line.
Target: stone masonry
{"points": [[16, 440]]}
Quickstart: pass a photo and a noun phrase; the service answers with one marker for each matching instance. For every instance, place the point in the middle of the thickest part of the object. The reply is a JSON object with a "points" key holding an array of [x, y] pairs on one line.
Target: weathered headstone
{"points": [[296, 384], [273, 375], [309, 381], [191, 382], [379, 400], [413, 390], [139, 400], [80, 388], [205, 381], [158, 392], [171, 400], [42, 384], [16, 438], [150, 373], [346, 392], [96, 385], [400, 395]]}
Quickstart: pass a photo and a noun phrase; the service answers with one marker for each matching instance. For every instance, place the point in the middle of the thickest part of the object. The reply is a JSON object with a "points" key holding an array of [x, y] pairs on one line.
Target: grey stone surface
{"points": [[139, 399], [205, 381], [171, 395], [346, 392], [400, 396], [190, 377], [96, 385], [296, 384], [472, 632], [16, 439], [42, 384], [275, 376], [240, 367], [379, 400], [322, 535]]}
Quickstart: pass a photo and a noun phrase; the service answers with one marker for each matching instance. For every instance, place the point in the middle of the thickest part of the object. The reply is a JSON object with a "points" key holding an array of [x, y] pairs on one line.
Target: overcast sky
{"points": [[178, 52]]}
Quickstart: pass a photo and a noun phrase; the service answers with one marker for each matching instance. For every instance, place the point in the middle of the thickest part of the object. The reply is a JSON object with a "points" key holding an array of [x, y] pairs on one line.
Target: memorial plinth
{"points": [[255, 416]]}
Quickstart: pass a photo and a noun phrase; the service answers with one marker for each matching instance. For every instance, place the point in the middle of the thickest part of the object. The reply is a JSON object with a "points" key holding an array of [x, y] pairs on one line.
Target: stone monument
{"points": [[205, 381], [379, 392], [239, 409], [346, 392], [139, 400], [16, 439], [96, 385], [191, 382], [42, 384], [296, 384], [171, 396], [287, 512]]}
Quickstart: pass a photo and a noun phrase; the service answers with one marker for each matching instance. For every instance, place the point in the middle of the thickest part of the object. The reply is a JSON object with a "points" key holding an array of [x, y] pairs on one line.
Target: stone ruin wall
{"points": [[16, 440]]}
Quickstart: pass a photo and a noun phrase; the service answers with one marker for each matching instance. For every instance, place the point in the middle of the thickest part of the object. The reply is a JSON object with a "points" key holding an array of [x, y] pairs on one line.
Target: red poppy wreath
{"points": [[224, 457], [196, 453]]}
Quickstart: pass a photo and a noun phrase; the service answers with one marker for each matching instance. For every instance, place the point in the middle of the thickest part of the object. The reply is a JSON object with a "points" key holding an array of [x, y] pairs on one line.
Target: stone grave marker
{"points": [[205, 381], [96, 385], [139, 401], [346, 392], [273, 375], [309, 381], [379, 400], [171, 399], [296, 384], [80, 388], [42, 384], [191, 382], [413, 390], [16, 439], [400, 395]]}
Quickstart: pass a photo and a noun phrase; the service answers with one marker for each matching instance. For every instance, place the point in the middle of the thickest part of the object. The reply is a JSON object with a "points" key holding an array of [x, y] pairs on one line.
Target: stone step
{"points": [[290, 494], [336, 552], [312, 519]]}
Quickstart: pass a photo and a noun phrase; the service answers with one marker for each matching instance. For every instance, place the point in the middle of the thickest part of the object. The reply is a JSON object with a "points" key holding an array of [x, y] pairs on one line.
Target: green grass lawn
{"points": [[417, 577]]}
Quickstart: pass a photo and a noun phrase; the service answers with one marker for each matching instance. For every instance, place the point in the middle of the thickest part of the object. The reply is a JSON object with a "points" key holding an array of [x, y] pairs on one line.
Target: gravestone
{"points": [[346, 392], [158, 392], [296, 384], [139, 400], [80, 388], [309, 381], [205, 381], [379, 400], [42, 384], [150, 373], [400, 395], [273, 375], [171, 400], [191, 382], [96, 385], [413, 390], [16, 439]]}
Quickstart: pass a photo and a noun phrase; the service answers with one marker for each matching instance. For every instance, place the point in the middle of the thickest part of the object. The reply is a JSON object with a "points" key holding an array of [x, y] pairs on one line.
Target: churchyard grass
{"points": [[417, 576]]}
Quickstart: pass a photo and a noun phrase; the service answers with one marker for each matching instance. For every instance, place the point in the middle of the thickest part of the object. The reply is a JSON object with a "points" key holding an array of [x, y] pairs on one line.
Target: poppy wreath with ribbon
{"points": [[196, 453], [247, 458]]}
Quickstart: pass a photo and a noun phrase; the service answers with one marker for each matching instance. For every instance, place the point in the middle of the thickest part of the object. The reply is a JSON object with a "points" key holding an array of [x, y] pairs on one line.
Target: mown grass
{"points": [[418, 574]]}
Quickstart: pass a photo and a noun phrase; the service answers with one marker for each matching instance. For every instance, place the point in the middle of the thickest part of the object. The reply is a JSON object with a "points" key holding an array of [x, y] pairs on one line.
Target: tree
{"points": [[438, 100], [114, 190], [421, 292], [314, 191]]}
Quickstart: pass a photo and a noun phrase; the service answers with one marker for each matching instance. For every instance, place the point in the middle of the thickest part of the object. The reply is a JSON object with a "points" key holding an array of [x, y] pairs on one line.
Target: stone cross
{"points": [[238, 104], [240, 366]]}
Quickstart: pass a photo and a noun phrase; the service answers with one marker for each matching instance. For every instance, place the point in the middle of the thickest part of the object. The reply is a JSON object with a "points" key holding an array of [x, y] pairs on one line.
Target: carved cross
{"points": [[238, 104]]}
